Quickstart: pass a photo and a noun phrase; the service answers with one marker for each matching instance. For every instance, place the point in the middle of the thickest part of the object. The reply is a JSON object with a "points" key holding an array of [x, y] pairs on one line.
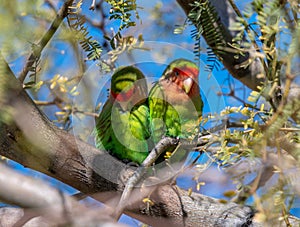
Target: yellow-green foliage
{"points": [[206, 21], [77, 22], [122, 11]]}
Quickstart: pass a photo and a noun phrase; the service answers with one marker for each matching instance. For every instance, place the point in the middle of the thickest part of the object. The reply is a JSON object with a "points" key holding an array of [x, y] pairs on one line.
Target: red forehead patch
{"points": [[187, 71], [123, 96]]}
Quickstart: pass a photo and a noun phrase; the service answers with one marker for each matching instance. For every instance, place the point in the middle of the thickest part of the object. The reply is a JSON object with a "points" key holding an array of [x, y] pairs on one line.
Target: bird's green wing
{"points": [[157, 112], [102, 130], [122, 127]]}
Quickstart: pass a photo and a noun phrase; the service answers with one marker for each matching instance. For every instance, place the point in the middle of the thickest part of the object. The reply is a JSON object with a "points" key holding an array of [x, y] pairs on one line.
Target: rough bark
{"points": [[29, 138], [44, 205], [251, 76]]}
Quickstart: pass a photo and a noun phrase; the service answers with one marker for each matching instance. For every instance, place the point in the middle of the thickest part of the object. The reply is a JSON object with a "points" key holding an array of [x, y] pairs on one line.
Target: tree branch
{"points": [[29, 138], [40, 199], [251, 76], [38, 48], [40, 145]]}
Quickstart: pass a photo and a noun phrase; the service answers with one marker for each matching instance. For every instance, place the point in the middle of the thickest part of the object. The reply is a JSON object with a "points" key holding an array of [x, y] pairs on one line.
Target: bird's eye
{"points": [[176, 73]]}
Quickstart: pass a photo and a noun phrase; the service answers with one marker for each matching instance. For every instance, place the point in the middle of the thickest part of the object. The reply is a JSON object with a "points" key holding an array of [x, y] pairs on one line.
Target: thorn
{"points": [[93, 5]]}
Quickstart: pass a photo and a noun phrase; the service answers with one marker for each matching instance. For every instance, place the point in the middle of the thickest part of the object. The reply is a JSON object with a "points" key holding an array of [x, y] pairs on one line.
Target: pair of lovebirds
{"points": [[132, 121]]}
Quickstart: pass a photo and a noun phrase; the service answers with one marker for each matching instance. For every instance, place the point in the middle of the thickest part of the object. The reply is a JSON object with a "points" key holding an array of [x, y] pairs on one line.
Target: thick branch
{"points": [[251, 76], [24, 191], [40, 199], [30, 139]]}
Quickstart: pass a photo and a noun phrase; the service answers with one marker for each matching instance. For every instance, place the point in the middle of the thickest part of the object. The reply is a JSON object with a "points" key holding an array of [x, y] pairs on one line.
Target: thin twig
{"points": [[36, 53], [51, 4], [44, 103], [162, 145], [289, 129], [91, 114], [93, 5], [237, 11], [101, 24]]}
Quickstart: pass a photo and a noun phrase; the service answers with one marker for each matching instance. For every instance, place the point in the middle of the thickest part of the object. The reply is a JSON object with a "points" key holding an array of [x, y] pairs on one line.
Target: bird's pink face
{"points": [[186, 78]]}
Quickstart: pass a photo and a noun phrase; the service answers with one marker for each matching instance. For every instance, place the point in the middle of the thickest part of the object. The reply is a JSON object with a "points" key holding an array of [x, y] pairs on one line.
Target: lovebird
{"points": [[122, 127], [175, 103]]}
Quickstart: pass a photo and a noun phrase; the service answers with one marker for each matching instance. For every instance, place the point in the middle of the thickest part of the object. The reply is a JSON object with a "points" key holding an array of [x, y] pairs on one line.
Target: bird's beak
{"points": [[124, 105], [187, 84]]}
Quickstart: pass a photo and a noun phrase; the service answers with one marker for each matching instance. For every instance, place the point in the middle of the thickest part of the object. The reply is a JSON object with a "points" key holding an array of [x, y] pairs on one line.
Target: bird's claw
{"points": [[126, 174]]}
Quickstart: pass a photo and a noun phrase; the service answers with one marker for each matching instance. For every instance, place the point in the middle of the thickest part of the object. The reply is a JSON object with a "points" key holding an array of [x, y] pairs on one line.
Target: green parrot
{"points": [[175, 103], [122, 127]]}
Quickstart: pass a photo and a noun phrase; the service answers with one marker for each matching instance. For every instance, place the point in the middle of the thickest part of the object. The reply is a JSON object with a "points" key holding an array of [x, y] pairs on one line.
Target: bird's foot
{"points": [[126, 174]]}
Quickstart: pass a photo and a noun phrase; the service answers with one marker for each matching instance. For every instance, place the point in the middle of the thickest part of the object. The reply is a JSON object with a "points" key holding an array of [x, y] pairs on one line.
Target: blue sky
{"points": [[152, 64]]}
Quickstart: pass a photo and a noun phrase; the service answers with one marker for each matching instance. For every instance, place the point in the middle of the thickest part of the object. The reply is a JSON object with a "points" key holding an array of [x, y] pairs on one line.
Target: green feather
{"points": [[172, 111], [123, 130]]}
